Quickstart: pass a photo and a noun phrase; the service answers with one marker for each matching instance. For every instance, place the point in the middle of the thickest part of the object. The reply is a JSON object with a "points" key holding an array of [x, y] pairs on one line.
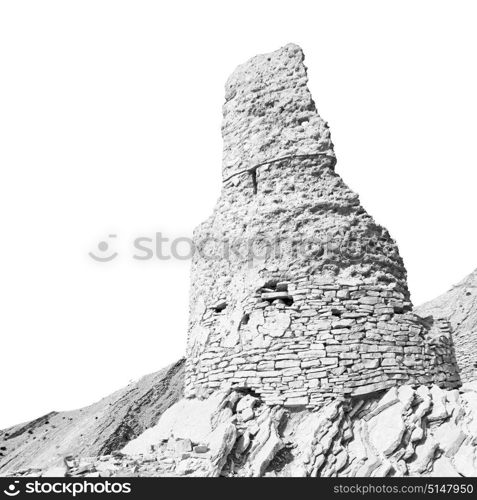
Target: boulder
{"points": [[386, 429]]}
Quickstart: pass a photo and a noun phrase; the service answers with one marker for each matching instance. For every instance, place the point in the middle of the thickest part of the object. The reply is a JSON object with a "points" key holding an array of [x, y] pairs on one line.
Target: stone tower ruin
{"points": [[297, 294]]}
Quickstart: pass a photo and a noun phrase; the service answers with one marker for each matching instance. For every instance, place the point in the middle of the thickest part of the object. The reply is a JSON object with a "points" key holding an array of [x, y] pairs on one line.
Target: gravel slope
{"points": [[98, 429]]}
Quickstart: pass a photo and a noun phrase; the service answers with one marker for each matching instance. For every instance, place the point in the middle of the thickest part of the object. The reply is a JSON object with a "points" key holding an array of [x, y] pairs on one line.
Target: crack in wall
{"points": [[253, 174], [253, 170]]}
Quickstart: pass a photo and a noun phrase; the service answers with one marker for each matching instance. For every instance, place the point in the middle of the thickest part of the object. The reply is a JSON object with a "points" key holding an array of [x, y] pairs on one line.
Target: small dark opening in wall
{"points": [[275, 290], [244, 391], [245, 320], [468, 293], [269, 286], [218, 308], [253, 174]]}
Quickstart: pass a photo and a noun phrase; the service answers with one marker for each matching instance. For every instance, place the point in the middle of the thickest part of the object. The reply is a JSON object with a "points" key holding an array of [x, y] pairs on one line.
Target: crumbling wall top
{"points": [[269, 112]]}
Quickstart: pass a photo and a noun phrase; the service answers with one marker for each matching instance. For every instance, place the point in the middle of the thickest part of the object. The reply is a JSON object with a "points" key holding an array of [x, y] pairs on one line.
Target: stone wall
{"points": [[466, 355], [335, 340], [296, 292], [458, 307]]}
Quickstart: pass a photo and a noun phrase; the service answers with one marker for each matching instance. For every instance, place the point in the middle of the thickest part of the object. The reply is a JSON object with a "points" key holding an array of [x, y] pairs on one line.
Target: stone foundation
{"points": [[333, 340]]}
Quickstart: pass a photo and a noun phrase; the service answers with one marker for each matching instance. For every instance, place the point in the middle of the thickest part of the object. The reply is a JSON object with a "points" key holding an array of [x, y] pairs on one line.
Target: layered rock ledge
{"points": [[404, 432]]}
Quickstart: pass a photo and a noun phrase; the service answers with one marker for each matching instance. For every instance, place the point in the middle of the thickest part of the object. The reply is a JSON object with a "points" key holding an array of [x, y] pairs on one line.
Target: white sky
{"points": [[110, 116]]}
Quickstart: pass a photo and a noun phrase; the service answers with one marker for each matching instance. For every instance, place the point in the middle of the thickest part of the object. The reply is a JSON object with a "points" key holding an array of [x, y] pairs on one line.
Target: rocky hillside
{"points": [[95, 430], [403, 432], [459, 307]]}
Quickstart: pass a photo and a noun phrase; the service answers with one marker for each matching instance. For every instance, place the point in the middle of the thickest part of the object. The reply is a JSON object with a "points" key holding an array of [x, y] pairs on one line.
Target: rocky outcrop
{"points": [[458, 306], [402, 432], [95, 430], [296, 292]]}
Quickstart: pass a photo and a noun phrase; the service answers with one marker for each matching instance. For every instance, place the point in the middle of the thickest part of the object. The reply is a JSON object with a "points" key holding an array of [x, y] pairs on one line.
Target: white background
{"points": [[110, 115]]}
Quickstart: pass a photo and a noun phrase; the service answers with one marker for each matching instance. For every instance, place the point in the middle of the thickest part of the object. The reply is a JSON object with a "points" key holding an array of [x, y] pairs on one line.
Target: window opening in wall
{"points": [[219, 307], [244, 321], [275, 290]]}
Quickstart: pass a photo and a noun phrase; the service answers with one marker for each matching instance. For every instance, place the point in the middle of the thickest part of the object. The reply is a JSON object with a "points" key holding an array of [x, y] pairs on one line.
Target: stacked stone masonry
{"points": [[335, 340], [296, 293], [466, 355], [457, 306]]}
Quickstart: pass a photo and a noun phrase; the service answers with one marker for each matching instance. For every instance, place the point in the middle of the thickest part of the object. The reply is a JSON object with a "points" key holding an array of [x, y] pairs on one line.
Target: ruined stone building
{"points": [[302, 332], [297, 294]]}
